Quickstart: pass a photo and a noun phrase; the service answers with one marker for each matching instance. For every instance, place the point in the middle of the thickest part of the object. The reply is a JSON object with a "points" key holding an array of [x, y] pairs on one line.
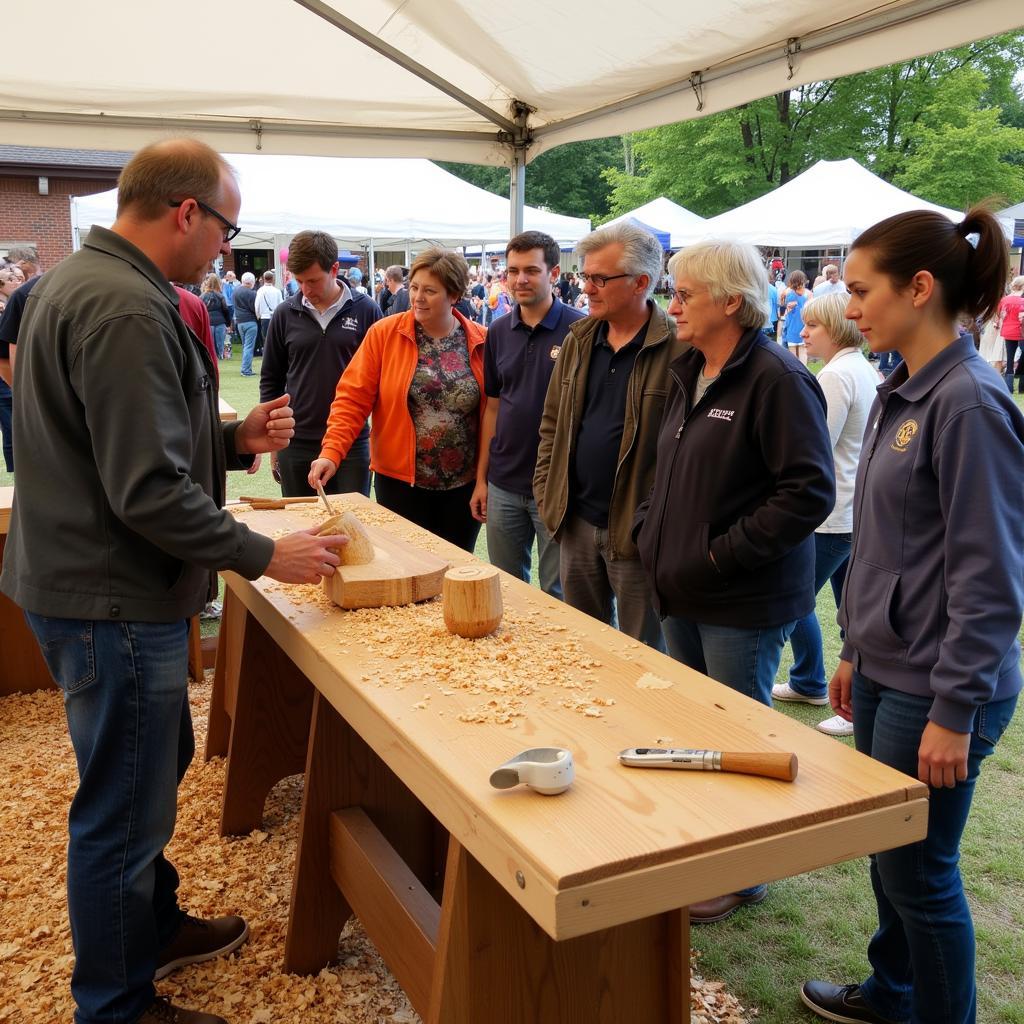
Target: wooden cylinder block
{"points": [[472, 600]]}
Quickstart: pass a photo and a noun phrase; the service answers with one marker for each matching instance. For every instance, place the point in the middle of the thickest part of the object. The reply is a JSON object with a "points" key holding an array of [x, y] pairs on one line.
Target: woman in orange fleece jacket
{"points": [[420, 373]]}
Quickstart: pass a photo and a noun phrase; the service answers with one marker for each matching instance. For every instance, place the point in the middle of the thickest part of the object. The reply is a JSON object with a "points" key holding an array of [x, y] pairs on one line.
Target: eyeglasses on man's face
{"points": [[600, 280], [683, 296], [230, 230]]}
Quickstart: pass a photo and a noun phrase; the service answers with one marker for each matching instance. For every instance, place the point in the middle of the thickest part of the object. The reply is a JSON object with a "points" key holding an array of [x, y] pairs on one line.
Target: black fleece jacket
{"points": [[302, 359], [742, 481]]}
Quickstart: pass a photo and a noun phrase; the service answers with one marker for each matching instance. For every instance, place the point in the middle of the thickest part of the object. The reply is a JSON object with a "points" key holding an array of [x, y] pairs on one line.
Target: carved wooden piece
{"points": [[400, 573], [472, 600], [359, 549]]}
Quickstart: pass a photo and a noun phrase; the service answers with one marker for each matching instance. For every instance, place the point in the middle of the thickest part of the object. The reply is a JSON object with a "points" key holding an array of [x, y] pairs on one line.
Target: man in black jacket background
{"points": [[311, 339]]}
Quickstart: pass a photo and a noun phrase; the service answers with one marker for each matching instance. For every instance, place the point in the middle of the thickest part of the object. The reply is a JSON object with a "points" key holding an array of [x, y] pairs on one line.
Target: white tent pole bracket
{"points": [[367, 38], [697, 85], [257, 127]]}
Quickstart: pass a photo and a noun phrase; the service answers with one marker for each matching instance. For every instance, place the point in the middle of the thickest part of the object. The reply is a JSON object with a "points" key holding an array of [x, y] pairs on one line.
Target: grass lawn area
{"points": [[818, 924]]}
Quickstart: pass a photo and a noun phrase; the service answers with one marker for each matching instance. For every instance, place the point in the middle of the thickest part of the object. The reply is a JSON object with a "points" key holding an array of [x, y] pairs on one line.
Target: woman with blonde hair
{"points": [[420, 373], [848, 382], [217, 307]]}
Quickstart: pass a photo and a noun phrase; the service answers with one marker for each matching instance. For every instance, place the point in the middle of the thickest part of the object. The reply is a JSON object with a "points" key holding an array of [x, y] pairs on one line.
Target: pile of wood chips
{"points": [[250, 876]]}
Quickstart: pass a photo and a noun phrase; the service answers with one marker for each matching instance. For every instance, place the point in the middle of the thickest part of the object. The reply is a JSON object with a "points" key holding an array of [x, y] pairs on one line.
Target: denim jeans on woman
{"points": [[126, 701], [807, 676], [922, 955], [219, 333]]}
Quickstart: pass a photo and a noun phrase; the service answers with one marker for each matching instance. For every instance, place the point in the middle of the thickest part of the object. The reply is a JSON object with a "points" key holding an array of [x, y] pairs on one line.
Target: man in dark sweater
{"points": [[313, 335], [243, 300]]}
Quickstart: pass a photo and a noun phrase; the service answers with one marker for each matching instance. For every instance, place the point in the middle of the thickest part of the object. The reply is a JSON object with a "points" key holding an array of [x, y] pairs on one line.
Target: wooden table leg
{"points": [[494, 963], [269, 729], [225, 676], [343, 772]]}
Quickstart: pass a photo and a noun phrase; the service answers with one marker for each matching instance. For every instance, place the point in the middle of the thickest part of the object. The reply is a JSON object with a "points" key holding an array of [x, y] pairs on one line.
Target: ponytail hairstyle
{"points": [[969, 260]]}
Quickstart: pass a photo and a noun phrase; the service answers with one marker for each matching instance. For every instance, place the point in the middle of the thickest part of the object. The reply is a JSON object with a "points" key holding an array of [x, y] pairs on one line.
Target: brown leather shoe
{"points": [[721, 907], [198, 940], [162, 1012]]}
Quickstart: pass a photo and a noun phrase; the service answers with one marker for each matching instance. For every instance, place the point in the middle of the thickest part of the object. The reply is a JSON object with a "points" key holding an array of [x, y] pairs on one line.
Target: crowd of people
{"points": [[683, 473]]}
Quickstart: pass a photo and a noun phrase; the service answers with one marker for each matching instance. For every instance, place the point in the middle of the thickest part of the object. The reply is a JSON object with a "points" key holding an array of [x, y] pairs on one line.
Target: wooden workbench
{"points": [[22, 668], [512, 907]]}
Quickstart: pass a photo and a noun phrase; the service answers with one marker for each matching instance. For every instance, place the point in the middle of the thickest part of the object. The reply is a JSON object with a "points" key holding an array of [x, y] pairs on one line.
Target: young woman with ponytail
{"points": [[930, 668]]}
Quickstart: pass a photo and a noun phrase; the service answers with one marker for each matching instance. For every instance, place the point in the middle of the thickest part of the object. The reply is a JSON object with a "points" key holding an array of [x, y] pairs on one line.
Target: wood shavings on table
{"points": [[525, 661], [250, 876]]}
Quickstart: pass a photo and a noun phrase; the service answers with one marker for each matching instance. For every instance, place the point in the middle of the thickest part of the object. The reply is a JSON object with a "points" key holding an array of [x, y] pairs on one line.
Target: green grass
{"points": [[817, 925]]}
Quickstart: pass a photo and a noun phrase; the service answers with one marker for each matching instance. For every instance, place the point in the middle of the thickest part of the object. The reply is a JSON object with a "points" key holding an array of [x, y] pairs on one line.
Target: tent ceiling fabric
{"points": [[298, 84], [359, 199]]}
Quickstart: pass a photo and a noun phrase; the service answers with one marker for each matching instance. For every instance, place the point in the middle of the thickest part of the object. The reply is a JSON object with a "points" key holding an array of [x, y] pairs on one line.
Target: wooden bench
{"points": [[512, 907]]}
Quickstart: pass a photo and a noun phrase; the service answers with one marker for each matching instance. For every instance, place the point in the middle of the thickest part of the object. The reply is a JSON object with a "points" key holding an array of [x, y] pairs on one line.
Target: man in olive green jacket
{"points": [[599, 431]]}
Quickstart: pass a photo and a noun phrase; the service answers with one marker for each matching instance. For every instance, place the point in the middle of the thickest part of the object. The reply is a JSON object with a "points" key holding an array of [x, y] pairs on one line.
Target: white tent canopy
{"points": [[829, 204], [447, 79], [359, 201], [663, 214]]}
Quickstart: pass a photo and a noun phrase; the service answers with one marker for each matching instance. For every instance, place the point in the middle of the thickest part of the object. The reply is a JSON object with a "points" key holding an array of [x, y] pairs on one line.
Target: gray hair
{"points": [[641, 251], [248, 280], [727, 268], [23, 254]]}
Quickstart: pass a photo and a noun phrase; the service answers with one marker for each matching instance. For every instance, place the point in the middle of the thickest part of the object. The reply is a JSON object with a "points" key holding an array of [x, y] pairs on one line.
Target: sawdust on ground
{"points": [[249, 875]]}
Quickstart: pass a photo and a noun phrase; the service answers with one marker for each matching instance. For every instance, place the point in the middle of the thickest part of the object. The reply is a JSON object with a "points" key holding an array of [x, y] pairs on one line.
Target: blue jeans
{"points": [[218, 339], [745, 660], [614, 590], [922, 955], [126, 702], [807, 676], [512, 523], [248, 333], [6, 405]]}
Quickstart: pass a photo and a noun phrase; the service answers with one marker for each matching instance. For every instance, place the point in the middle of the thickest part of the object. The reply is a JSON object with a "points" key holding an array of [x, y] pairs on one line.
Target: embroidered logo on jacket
{"points": [[721, 414], [350, 323], [904, 436]]}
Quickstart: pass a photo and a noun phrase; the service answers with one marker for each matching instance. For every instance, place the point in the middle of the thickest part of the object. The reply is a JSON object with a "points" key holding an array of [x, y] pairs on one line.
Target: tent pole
{"points": [[371, 268], [517, 193]]}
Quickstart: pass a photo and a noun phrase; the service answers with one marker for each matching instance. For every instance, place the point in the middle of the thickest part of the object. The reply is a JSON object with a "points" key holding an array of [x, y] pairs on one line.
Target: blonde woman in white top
{"points": [[848, 382]]}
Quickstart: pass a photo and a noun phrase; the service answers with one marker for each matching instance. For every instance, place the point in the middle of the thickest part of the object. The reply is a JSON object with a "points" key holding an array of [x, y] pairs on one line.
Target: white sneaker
{"points": [[783, 691], [835, 726]]}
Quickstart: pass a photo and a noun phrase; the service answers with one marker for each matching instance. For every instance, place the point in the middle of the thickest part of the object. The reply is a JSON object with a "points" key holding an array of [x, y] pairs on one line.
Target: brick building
{"points": [[36, 186]]}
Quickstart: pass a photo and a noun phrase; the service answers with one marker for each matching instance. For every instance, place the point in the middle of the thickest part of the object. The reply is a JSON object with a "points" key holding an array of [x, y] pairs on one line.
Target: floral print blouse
{"points": [[444, 402]]}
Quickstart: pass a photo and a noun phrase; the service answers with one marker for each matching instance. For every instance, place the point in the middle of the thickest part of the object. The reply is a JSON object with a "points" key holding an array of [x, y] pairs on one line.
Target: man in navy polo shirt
{"points": [[518, 359]]}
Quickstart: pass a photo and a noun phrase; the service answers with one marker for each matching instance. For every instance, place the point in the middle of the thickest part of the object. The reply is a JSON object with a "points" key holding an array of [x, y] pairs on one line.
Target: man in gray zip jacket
{"points": [[599, 430], [116, 531]]}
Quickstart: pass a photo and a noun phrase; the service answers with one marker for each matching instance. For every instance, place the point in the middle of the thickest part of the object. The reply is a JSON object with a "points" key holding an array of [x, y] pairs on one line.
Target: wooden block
{"points": [[399, 915], [400, 573], [472, 600], [359, 550]]}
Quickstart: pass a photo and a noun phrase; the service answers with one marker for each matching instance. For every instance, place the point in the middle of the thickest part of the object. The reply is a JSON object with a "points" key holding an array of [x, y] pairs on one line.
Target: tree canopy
{"points": [[948, 127]]}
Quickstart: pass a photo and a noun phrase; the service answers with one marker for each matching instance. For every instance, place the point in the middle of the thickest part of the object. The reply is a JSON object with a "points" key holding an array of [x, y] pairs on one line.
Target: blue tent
{"points": [[664, 237]]}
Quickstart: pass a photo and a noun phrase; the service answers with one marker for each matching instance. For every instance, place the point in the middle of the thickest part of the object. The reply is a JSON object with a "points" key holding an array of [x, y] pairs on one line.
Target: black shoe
{"points": [[842, 1003]]}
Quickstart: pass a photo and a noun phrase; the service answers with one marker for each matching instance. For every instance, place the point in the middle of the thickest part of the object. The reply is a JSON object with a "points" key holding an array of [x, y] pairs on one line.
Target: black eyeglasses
{"points": [[600, 280], [230, 230]]}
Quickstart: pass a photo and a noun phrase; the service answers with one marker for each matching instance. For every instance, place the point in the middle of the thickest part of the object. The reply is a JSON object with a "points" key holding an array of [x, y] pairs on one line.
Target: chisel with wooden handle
{"points": [[770, 765], [277, 501]]}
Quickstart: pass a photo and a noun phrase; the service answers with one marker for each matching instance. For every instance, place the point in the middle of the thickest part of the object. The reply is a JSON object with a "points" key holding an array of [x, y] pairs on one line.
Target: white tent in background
{"points": [[663, 214], [827, 205], [360, 202]]}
